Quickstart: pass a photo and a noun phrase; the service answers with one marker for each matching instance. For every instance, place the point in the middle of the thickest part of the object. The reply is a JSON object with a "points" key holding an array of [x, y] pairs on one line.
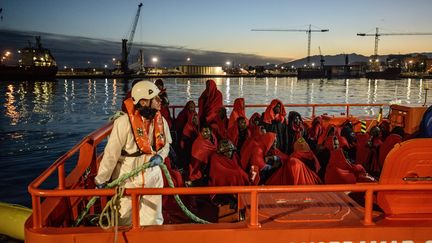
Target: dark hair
{"points": [[159, 82]]}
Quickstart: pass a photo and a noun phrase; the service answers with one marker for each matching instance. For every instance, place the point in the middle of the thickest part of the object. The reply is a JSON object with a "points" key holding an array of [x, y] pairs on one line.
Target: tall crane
{"points": [[377, 35], [126, 47], [308, 32]]}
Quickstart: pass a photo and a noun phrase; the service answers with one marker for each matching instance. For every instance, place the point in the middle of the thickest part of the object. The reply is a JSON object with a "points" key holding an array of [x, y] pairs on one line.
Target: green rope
{"points": [[134, 173], [179, 201]]}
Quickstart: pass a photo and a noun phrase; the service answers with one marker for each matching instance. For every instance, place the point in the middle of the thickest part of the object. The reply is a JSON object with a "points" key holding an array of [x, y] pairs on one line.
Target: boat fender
{"points": [[12, 220]]}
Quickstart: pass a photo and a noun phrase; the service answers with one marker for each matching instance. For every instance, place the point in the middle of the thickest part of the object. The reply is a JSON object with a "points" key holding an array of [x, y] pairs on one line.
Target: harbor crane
{"points": [[377, 35], [126, 47], [308, 32]]}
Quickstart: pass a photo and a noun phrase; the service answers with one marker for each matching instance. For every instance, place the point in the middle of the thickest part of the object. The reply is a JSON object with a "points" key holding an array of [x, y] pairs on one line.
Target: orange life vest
{"points": [[140, 129]]}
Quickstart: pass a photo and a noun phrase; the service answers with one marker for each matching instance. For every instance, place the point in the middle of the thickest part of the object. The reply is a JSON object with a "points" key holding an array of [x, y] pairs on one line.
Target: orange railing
{"points": [[88, 157]]}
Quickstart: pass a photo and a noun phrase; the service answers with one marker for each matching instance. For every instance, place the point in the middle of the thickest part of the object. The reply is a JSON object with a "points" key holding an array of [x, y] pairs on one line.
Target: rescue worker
{"points": [[140, 136]]}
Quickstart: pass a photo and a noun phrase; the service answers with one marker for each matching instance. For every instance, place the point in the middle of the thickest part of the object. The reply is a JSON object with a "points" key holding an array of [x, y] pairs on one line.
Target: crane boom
{"points": [[132, 34], [307, 31], [377, 35], [126, 47]]}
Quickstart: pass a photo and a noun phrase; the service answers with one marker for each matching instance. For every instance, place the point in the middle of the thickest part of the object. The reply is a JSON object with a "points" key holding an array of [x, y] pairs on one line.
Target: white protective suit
{"points": [[113, 165]]}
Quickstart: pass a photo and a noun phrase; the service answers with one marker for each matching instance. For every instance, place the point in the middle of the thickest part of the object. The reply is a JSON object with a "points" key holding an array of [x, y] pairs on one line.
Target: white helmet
{"points": [[144, 90]]}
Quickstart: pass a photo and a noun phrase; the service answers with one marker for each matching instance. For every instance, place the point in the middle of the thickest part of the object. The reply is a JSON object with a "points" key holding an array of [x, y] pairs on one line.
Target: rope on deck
{"points": [[117, 182]]}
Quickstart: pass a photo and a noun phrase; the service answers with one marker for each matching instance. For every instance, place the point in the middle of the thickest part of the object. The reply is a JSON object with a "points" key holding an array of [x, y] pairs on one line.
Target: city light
{"points": [[188, 59]]}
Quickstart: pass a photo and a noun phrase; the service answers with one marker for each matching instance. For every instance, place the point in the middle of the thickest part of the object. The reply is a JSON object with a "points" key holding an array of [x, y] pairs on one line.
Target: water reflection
{"points": [[346, 91], [227, 91], [11, 110], [420, 91], [408, 96]]}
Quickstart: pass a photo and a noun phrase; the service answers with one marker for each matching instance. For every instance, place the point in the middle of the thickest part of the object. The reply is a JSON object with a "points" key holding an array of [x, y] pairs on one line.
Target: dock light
{"points": [[64, 67], [188, 59], [19, 51], [313, 64], [7, 53], [228, 63], [154, 59], [113, 59], [105, 66], [376, 60]]}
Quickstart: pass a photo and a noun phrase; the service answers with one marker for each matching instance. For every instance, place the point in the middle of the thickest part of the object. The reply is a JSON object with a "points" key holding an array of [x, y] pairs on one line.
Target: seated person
{"points": [[238, 111], [188, 136], [341, 171], [202, 149], [209, 103], [220, 124], [274, 121], [238, 133], [183, 116], [296, 129], [224, 167], [164, 101], [297, 169], [264, 161]]}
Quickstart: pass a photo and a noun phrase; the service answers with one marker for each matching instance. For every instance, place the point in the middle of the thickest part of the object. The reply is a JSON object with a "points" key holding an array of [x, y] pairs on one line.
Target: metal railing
{"points": [[87, 149]]}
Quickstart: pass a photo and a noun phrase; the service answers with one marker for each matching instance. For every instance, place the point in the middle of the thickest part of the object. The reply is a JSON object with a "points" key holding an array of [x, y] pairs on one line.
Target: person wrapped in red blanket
{"points": [[202, 149], [209, 103]]}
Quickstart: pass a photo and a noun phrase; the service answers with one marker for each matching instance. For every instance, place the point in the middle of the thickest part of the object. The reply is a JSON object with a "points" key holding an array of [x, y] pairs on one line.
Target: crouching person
{"points": [[140, 136]]}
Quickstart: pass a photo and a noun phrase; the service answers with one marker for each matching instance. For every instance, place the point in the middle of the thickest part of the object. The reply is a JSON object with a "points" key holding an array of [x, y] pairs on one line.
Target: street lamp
{"points": [[155, 60], [188, 59]]}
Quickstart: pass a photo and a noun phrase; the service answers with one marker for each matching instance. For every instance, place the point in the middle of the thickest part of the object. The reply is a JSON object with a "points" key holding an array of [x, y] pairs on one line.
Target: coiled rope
{"points": [[117, 182]]}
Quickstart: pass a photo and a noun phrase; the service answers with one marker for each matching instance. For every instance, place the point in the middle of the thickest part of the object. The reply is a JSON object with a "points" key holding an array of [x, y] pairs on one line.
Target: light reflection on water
{"points": [[39, 121]]}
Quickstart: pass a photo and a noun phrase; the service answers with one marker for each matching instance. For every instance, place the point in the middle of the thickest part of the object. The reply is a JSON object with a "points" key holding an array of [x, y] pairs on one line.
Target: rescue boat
{"points": [[396, 208]]}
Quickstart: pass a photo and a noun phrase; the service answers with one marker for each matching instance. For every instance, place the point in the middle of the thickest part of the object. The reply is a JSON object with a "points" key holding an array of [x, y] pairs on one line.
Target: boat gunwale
{"points": [[91, 141]]}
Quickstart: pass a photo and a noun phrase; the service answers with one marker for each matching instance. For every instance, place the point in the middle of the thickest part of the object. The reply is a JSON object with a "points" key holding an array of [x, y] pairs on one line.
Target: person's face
{"points": [[206, 133], [277, 109], [335, 143], [156, 103], [375, 131], [352, 138], [297, 120], [191, 106], [242, 124], [195, 120], [256, 121], [226, 148]]}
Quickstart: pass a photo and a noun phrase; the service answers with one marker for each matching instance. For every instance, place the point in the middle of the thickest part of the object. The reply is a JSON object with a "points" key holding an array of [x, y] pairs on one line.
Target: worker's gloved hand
{"points": [[155, 160], [100, 186]]}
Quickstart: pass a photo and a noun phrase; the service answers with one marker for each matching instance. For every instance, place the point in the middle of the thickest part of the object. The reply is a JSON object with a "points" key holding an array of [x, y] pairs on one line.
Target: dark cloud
{"points": [[76, 51]]}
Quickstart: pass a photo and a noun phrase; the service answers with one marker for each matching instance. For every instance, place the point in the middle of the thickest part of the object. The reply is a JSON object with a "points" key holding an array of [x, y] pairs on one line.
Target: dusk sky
{"points": [[225, 25]]}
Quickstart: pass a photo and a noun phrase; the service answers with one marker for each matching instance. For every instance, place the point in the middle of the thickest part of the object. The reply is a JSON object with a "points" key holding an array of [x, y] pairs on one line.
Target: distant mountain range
{"points": [[75, 51], [340, 59]]}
